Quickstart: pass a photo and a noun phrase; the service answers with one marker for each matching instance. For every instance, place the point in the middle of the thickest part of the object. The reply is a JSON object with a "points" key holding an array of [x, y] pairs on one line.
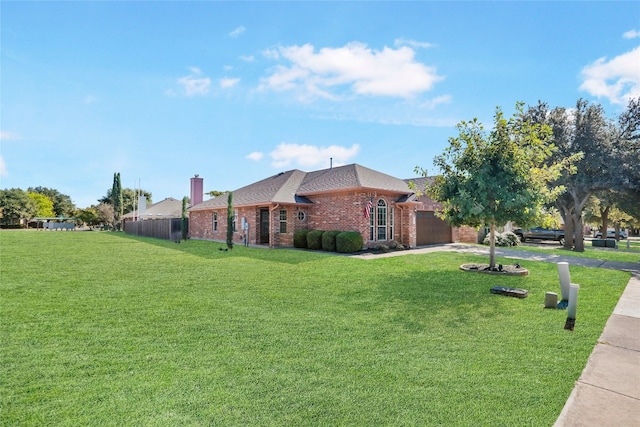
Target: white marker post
{"points": [[565, 281], [573, 306]]}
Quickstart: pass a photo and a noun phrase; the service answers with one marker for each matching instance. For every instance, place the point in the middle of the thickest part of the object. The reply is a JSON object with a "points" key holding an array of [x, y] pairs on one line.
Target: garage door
{"points": [[431, 230]]}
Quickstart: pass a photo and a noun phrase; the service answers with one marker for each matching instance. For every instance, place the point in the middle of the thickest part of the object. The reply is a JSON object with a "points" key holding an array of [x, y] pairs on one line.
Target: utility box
{"points": [[604, 243], [550, 300]]}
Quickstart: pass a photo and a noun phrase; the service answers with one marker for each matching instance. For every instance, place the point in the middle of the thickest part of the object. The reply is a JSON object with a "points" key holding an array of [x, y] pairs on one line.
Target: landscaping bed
{"points": [[500, 269]]}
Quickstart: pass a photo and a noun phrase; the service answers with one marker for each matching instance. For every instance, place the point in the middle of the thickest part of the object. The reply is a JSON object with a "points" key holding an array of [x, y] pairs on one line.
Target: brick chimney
{"points": [[197, 192]]}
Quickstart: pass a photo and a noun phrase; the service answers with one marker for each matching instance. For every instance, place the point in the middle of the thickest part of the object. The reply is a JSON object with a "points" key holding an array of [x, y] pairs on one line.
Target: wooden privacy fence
{"points": [[168, 229]]}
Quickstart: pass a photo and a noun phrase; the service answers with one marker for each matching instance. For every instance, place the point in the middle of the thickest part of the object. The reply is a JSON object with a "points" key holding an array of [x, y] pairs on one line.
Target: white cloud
{"points": [[413, 43], [195, 83], [309, 155], [256, 156], [3, 167], [9, 136], [364, 71], [631, 34], [236, 32], [247, 58], [617, 79], [271, 53], [434, 102], [229, 82]]}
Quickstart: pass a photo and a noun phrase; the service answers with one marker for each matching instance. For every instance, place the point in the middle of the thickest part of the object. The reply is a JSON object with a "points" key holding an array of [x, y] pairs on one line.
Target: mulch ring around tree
{"points": [[500, 269]]}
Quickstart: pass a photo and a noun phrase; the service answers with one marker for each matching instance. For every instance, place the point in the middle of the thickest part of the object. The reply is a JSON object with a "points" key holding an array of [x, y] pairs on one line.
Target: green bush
{"points": [[348, 242], [300, 238], [329, 240], [381, 247], [396, 246], [503, 239], [314, 239]]}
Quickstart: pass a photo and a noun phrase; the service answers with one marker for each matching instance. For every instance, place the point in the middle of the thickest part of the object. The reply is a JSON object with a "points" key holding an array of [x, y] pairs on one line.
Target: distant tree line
{"points": [[18, 207]]}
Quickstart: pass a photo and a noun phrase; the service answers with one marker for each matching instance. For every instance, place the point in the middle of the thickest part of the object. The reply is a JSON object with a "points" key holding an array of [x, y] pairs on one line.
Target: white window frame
{"points": [[283, 220], [381, 220]]}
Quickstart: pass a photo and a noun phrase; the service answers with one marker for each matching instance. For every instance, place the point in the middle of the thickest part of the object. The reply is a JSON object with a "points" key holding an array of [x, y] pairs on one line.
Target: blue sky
{"points": [[239, 91]]}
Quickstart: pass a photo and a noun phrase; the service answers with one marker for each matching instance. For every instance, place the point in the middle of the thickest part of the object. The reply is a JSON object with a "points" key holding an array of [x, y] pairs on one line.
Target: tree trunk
{"points": [[579, 240], [579, 203], [564, 206], [492, 246], [569, 231], [605, 221]]}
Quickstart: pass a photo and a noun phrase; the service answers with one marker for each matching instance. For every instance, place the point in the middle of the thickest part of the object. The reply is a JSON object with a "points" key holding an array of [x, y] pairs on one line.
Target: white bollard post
{"points": [[573, 306], [573, 301], [565, 279]]}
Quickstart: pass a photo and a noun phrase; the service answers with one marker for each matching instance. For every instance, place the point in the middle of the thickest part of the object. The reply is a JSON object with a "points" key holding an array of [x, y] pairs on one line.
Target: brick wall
{"points": [[465, 234], [337, 211]]}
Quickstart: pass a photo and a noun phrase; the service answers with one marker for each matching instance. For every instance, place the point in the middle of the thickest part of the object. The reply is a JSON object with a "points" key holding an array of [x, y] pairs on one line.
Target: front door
{"points": [[264, 226]]}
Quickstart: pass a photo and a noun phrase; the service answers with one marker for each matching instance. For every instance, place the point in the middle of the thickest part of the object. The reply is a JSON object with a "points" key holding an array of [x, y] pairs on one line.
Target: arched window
{"points": [[381, 220]]}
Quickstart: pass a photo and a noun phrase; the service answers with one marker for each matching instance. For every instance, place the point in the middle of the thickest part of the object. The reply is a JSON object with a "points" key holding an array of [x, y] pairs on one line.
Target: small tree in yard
{"points": [[184, 222], [230, 221], [496, 177], [116, 200]]}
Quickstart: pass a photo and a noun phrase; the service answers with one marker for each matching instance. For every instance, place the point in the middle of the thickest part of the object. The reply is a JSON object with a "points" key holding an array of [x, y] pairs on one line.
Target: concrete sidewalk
{"points": [[608, 391]]}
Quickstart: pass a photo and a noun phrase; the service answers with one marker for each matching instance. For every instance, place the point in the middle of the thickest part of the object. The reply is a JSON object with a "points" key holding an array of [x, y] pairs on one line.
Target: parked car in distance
{"points": [[540, 233], [611, 234]]}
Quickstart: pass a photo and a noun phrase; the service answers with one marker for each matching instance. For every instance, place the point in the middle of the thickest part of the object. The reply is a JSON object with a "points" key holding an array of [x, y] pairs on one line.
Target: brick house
{"points": [[345, 198]]}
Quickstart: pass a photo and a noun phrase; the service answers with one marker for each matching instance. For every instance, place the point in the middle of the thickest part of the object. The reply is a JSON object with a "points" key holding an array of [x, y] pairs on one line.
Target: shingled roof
{"points": [[280, 188], [167, 208], [294, 186], [350, 177]]}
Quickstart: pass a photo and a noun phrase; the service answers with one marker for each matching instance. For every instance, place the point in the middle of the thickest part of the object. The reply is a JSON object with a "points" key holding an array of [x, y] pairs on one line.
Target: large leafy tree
{"points": [[129, 198], [490, 178], [106, 215], [62, 204], [16, 205], [89, 216], [44, 204], [609, 156]]}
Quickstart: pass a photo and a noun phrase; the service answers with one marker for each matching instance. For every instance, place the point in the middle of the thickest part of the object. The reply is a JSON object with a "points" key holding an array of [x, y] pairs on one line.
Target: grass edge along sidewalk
{"points": [[101, 328]]}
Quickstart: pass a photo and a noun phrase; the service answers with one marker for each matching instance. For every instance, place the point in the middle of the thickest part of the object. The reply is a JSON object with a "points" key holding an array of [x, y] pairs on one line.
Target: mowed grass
{"points": [[105, 329], [621, 254]]}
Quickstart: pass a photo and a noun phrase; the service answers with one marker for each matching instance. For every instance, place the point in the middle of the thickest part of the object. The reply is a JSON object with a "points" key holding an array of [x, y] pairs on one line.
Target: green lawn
{"points": [[103, 329], [621, 254]]}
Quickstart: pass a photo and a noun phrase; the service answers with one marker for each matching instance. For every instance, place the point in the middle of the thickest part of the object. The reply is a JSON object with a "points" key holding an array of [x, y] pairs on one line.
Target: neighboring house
{"points": [[346, 198], [162, 220]]}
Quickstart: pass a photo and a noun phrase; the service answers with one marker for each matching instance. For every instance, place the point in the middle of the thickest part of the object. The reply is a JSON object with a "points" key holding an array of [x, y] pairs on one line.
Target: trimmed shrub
{"points": [[396, 246], [348, 242], [512, 238], [314, 239], [300, 238], [503, 239], [329, 240]]}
